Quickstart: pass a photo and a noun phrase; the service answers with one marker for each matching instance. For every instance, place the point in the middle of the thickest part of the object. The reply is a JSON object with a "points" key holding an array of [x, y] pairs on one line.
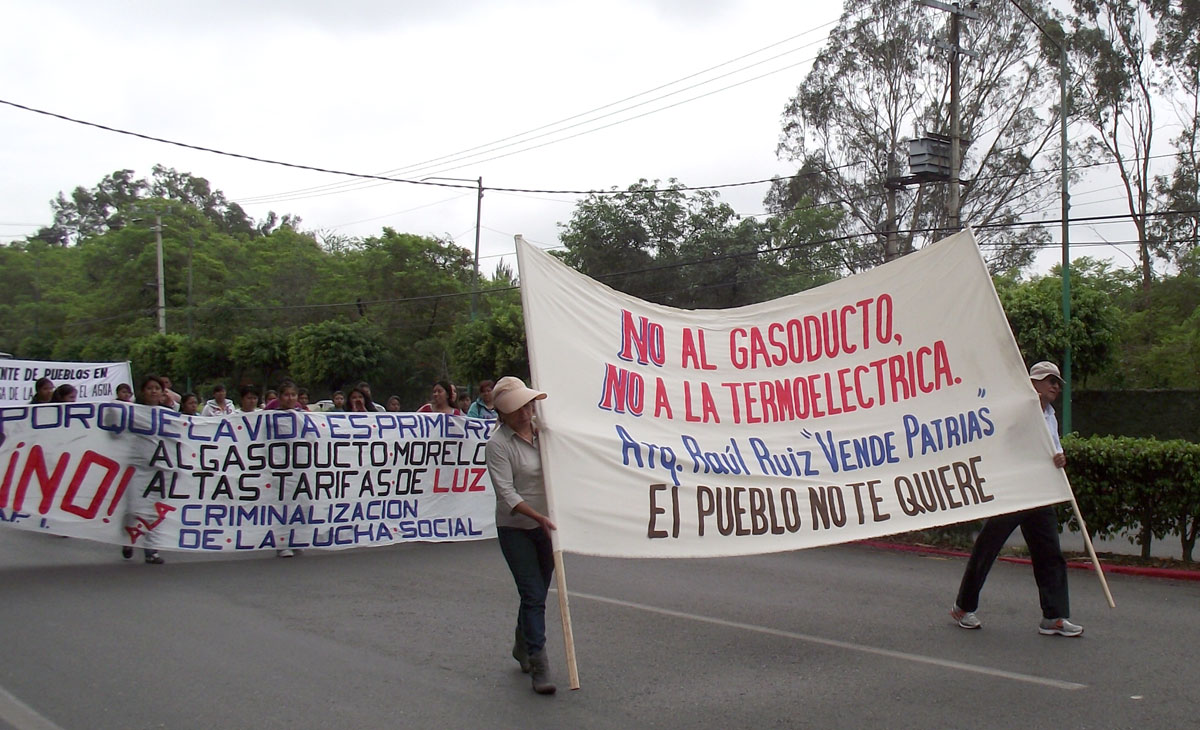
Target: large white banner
{"points": [[152, 478], [93, 381], [891, 401]]}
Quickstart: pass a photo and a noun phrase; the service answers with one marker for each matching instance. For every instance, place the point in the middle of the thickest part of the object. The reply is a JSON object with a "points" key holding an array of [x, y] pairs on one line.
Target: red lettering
{"points": [[111, 468], [646, 337], [48, 483]]}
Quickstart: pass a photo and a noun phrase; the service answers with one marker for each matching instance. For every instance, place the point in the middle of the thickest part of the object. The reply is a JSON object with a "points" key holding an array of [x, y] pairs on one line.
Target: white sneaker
{"points": [[284, 553], [965, 619], [1059, 626]]}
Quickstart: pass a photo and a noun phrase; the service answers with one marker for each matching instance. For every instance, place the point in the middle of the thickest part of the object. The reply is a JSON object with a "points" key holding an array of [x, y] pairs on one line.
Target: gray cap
{"points": [[1043, 369]]}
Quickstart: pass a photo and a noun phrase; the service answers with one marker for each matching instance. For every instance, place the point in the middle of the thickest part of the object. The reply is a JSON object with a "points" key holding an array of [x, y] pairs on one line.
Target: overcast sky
{"points": [[535, 94], [386, 87]]}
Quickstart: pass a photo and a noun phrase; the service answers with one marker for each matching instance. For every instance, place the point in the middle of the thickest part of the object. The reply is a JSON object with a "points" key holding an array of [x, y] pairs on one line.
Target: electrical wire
{"points": [[487, 147]]}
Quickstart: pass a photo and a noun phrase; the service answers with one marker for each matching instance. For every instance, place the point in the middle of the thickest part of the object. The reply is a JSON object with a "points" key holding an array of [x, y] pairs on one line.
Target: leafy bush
{"points": [[1124, 483]]}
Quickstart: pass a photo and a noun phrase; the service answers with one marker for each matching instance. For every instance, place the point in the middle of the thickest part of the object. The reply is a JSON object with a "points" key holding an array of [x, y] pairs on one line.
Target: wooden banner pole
{"points": [[564, 609], [1087, 541]]}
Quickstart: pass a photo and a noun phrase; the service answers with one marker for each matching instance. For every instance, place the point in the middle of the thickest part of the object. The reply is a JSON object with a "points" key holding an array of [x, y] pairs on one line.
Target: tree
{"points": [[492, 346], [92, 212], [155, 354], [846, 128], [1034, 311], [109, 206], [1177, 51], [1160, 341], [264, 351], [1116, 95], [688, 249], [202, 359], [333, 353]]}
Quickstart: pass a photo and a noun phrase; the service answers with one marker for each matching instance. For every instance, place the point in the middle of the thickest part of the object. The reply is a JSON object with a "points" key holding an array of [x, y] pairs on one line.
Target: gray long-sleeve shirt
{"points": [[515, 467]]}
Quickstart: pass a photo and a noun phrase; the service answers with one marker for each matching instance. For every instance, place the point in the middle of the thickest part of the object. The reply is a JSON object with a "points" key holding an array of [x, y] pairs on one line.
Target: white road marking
{"points": [[20, 715], [902, 655]]}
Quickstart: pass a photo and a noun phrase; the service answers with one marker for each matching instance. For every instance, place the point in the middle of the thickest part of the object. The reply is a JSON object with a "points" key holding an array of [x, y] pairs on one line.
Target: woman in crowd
{"points": [[189, 404], [393, 404], [125, 393], [218, 405], [339, 400], [247, 399], [441, 400], [515, 466], [43, 391], [170, 398], [150, 393], [357, 401], [64, 393], [482, 407], [365, 388], [288, 400]]}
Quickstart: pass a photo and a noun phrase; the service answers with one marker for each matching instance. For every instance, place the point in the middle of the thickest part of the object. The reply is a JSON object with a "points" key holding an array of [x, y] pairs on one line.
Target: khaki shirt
{"points": [[515, 467]]}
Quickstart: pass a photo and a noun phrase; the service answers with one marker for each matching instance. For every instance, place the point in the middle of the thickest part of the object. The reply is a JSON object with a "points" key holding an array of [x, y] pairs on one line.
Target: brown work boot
{"points": [[520, 653], [541, 673]]}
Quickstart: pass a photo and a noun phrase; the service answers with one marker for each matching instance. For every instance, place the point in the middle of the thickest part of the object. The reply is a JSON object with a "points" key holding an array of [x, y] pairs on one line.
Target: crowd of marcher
{"points": [[444, 397]]}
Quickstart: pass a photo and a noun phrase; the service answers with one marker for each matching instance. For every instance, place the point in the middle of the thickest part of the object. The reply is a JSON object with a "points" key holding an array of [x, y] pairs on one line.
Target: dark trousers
{"points": [[530, 557], [1040, 530]]}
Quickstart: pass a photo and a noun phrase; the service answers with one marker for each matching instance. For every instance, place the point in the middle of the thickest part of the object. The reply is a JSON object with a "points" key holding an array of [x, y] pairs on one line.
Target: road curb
{"points": [[1145, 572]]}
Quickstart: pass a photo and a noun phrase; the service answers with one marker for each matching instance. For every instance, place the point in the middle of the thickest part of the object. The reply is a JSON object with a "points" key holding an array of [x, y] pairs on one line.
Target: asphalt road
{"points": [[417, 636]]}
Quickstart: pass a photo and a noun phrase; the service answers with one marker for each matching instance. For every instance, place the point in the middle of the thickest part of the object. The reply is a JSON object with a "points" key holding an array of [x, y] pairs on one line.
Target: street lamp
{"points": [[478, 217], [1066, 213]]}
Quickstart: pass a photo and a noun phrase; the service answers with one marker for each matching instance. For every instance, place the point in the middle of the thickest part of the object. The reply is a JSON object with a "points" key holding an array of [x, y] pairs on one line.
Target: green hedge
{"points": [[1136, 484]]}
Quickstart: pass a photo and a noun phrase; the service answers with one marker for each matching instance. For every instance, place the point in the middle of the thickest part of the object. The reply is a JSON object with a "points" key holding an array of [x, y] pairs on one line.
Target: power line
{"points": [[429, 183], [488, 147]]}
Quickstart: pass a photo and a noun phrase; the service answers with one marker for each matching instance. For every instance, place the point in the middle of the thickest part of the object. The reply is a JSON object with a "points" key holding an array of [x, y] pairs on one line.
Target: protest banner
{"points": [[891, 401], [150, 477], [93, 381]]}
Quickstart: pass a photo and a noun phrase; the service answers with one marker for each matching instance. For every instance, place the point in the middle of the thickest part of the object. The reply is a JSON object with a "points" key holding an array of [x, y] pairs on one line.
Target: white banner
{"points": [[93, 381], [152, 478], [891, 401]]}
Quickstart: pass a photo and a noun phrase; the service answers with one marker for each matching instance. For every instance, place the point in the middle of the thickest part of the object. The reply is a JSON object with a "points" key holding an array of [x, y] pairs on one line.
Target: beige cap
{"points": [[1044, 369], [509, 394]]}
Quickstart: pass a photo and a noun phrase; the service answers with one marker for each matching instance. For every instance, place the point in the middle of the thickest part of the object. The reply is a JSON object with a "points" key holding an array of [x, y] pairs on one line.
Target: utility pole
{"points": [[957, 13], [891, 249], [162, 298], [955, 125], [475, 280], [158, 242], [1063, 98], [191, 246], [478, 220]]}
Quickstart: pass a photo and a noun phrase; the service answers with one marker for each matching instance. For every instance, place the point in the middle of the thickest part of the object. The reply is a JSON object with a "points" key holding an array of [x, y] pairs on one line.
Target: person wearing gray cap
{"points": [[523, 529], [1039, 527]]}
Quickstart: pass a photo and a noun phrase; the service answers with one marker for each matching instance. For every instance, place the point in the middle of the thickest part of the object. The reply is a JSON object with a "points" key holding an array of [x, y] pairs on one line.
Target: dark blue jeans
{"points": [[531, 559]]}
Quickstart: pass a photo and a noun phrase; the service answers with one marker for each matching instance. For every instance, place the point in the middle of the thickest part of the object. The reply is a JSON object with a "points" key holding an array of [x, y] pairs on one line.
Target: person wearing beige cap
{"points": [[1039, 527], [523, 529]]}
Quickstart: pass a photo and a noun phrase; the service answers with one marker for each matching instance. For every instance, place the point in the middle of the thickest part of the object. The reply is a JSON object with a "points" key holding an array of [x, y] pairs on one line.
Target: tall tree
{"points": [[1177, 50], [1034, 311], [1110, 49], [109, 206], [848, 125]]}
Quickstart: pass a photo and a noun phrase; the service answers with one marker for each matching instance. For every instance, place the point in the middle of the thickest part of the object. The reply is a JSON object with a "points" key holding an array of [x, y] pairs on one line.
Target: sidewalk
{"points": [[1078, 563]]}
